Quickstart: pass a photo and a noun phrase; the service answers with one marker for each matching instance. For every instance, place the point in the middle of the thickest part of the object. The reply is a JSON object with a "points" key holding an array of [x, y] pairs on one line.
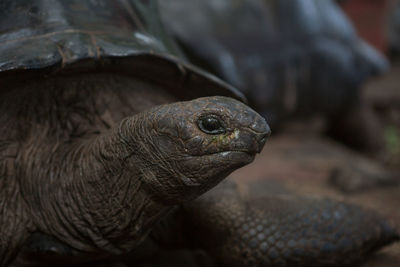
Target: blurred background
{"points": [[325, 75]]}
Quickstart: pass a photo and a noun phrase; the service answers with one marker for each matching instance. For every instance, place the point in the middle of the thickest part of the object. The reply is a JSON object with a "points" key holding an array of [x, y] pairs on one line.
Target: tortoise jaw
{"points": [[238, 152], [237, 158], [213, 168]]}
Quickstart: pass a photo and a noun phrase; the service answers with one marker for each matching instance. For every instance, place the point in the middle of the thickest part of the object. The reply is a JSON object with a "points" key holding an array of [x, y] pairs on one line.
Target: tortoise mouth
{"points": [[235, 151], [244, 156], [229, 152]]}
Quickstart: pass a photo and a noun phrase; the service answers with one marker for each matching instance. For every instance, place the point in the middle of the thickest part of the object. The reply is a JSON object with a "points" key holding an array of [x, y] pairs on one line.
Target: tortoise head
{"points": [[191, 146]]}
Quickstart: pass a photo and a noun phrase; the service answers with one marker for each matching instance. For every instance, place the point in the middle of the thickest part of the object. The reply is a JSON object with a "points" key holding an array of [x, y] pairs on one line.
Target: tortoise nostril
{"points": [[267, 134]]}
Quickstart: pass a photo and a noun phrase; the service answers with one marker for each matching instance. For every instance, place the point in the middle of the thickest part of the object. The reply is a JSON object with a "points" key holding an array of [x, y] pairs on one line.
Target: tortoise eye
{"points": [[211, 124]]}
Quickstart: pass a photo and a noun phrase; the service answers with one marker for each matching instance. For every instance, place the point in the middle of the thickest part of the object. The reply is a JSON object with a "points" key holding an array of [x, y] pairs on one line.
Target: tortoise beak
{"points": [[262, 139], [260, 131], [257, 140], [250, 140]]}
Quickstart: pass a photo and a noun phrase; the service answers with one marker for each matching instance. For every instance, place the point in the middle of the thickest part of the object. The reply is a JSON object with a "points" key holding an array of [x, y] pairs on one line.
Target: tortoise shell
{"points": [[41, 38]]}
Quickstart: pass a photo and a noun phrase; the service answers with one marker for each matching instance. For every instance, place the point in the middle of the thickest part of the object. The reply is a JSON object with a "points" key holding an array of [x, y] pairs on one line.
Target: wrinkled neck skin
{"points": [[110, 199], [79, 171]]}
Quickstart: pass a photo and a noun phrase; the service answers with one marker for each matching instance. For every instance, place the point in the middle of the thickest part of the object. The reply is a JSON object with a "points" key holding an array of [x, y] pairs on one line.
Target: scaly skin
{"points": [[79, 170], [283, 230]]}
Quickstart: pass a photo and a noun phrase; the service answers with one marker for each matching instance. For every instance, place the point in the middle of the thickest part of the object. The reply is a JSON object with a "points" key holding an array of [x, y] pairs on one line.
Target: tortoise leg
{"points": [[284, 230]]}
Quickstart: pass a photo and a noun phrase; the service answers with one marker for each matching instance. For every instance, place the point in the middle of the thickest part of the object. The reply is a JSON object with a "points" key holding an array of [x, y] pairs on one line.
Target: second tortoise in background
{"points": [[291, 58]]}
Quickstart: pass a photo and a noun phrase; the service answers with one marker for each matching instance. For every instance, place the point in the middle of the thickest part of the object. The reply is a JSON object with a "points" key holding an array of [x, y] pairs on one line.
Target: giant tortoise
{"points": [[292, 59], [106, 135]]}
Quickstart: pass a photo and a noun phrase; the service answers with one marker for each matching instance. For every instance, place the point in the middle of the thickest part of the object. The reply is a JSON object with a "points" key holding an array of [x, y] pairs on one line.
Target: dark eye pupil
{"points": [[211, 125]]}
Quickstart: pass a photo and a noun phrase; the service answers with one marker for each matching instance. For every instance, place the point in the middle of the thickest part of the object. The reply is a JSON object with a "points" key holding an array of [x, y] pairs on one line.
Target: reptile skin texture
{"points": [[284, 230]]}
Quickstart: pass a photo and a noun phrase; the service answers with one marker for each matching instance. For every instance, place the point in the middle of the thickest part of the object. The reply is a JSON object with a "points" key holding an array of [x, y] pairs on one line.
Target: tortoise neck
{"points": [[108, 174]]}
